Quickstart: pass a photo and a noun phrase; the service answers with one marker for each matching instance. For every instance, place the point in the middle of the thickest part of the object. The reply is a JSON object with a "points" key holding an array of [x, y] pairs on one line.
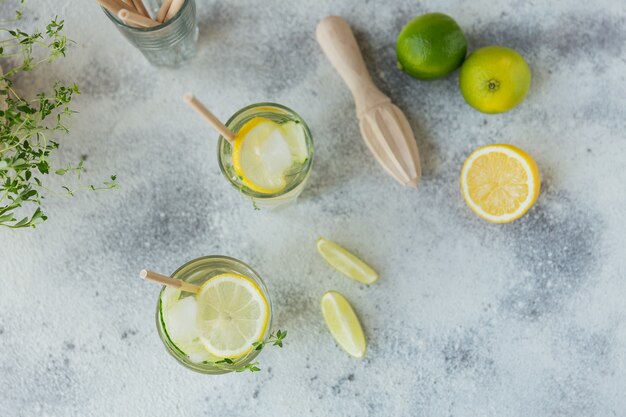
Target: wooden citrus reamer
{"points": [[384, 127]]}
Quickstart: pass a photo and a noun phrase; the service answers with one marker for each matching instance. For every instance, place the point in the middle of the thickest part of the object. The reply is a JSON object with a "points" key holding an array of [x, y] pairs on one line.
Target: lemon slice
{"points": [[264, 151], [343, 323], [232, 314], [345, 262], [500, 182]]}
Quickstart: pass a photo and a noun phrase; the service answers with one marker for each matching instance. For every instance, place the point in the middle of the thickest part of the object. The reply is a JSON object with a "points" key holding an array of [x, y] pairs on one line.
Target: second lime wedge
{"points": [[343, 323], [345, 262]]}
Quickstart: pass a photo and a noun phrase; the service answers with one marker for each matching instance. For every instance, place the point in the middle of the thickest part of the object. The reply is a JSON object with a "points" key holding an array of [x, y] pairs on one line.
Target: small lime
{"points": [[430, 46], [494, 79]]}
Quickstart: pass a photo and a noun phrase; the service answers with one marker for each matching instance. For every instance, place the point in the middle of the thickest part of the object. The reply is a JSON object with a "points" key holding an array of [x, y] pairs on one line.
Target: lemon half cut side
{"points": [[500, 183]]}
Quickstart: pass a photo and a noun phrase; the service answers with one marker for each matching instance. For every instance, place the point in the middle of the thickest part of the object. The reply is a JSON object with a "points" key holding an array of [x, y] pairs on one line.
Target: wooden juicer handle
{"points": [[338, 43]]}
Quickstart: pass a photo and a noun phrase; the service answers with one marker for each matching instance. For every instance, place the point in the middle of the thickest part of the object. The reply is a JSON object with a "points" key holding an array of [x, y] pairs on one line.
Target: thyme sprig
{"points": [[274, 339], [27, 126]]}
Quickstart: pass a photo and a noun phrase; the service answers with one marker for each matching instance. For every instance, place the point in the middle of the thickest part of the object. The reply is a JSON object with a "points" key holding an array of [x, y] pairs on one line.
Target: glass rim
{"points": [[149, 29], [180, 356], [247, 191]]}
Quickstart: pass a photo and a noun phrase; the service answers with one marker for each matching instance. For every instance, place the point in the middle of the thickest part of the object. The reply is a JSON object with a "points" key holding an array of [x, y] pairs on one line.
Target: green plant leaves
{"points": [[26, 126]]}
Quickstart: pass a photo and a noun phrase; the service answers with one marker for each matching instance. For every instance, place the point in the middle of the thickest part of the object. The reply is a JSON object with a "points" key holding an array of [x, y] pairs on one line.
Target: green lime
{"points": [[430, 46], [494, 79]]}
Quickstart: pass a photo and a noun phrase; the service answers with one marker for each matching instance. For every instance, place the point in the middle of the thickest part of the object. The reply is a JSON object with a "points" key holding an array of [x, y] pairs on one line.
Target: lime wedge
{"points": [[343, 323], [345, 262]]}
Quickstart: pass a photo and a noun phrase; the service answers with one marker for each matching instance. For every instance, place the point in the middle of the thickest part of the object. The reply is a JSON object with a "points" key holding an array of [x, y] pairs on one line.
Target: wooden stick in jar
{"points": [[113, 6], [163, 11], [141, 9], [129, 5], [174, 8], [135, 19]]}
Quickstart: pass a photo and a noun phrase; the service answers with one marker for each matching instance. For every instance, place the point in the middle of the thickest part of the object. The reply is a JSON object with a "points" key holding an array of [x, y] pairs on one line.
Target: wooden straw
{"points": [[174, 8], [130, 5], [169, 281], [135, 19], [193, 102], [163, 10], [113, 6], [141, 9]]}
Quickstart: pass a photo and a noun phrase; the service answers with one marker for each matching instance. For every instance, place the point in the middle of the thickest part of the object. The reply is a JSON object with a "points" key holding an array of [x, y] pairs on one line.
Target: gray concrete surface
{"points": [[468, 319]]}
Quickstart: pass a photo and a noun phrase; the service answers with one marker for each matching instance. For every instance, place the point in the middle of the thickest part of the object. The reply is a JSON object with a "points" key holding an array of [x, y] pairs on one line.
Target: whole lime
{"points": [[430, 46], [494, 79]]}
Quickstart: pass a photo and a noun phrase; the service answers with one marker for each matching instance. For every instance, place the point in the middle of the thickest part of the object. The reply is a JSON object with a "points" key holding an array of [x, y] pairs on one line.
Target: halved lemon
{"points": [[265, 150], [346, 262], [500, 183], [233, 313], [343, 323]]}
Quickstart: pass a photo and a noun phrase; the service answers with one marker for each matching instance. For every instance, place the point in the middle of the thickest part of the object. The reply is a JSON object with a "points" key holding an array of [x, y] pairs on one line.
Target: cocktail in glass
{"points": [[270, 160], [185, 321]]}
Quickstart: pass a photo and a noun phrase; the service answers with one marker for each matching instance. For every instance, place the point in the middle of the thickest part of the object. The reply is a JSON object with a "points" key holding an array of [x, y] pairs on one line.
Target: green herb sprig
{"points": [[28, 125], [274, 339]]}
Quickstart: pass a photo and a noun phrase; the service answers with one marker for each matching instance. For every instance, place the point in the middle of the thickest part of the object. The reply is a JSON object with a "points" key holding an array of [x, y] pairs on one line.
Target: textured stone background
{"points": [[468, 319]]}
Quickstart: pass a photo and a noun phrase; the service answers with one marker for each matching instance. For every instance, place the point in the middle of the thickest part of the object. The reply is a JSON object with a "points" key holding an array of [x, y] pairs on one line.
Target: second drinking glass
{"points": [[271, 158], [218, 329]]}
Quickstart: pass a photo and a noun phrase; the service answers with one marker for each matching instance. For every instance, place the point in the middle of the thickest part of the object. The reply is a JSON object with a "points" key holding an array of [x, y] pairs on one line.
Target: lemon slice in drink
{"points": [[343, 323], [500, 182], [264, 151], [232, 314], [345, 262]]}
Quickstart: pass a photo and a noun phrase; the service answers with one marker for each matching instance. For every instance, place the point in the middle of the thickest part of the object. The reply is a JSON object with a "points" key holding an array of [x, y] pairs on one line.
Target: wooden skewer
{"points": [[174, 8], [130, 5], [195, 104], [135, 19], [113, 6], [169, 281], [141, 9], [163, 11]]}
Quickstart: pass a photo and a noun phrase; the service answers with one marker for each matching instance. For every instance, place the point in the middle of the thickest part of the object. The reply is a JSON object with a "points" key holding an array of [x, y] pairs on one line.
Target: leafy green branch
{"points": [[27, 126], [274, 339]]}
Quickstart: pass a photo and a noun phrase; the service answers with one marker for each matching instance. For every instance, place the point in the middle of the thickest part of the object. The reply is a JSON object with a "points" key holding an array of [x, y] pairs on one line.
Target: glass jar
{"points": [[198, 271], [296, 181], [169, 44]]}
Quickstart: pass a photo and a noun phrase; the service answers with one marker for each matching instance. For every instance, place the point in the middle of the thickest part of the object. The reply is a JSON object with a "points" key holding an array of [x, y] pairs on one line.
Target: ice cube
{"points": [[296, 140], [180, 320], [275, 153], [169, 296]]}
